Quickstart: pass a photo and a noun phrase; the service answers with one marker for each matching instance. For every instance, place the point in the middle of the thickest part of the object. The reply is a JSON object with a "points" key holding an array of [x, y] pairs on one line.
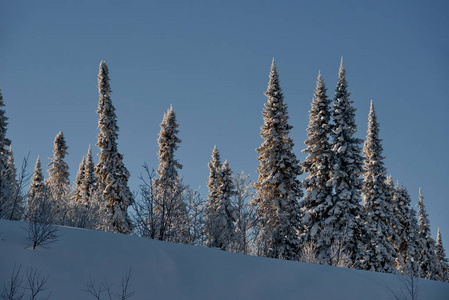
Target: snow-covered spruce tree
{"points": [[14, 208], [344, 226], [427, 258], [317, 202], [440, 253], [78, 193], [213, 185], [405, 228], [378, 202], [112, 175], [169, 208], [278, 188], [37, 196], [85, 179], [6, 189], [89, 179], [59, 170], [225, 214], [58, 184]]}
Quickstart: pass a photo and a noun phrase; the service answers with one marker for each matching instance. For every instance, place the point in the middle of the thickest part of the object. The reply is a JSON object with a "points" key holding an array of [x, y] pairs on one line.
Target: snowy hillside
{"points": [[161, 270]]}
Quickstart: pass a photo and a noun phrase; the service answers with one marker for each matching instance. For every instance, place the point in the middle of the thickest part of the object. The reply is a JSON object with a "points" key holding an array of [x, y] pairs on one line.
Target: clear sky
{"points": [[211, 60]]}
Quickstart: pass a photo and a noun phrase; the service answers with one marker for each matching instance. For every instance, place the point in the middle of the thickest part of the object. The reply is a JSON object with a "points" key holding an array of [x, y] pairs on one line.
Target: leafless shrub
{"points": [[42, 234], [13, 289], [125, 293], [96, 290], [408, 288], [36, 283], [309, 253], [40, 229]]}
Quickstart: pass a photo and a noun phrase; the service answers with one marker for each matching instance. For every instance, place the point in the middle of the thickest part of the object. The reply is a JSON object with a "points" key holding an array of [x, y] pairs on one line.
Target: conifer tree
{"points": [[59, 180], [225, 212], [111, 173], [427, 258], [6, 191], [405, 228], [414, 247], [440, 253], [344, 226], [278, 187], [36, 193], [58, 184], [377, 201], [78, 193], [211, 228], [14, 208], [89, 179], [319, 223], [318, 199], [169, 208]]}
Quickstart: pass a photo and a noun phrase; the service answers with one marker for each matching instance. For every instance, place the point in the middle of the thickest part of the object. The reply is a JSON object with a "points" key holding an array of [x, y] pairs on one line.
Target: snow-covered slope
{"points": [[170, 271]]}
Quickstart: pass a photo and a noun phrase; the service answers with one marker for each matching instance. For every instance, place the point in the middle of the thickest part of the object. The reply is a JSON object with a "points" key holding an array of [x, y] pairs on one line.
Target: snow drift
{"points": [[161, 270]]}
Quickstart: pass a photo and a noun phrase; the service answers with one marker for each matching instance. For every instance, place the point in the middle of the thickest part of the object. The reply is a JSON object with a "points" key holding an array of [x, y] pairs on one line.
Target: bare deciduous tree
{"points": [[19, 194], [143, 217], [40, 229], [162, 212], [195, 211], [245, 224]]}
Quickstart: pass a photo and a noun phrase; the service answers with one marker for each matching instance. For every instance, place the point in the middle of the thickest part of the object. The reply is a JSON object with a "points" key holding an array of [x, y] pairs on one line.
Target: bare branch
{"points": [[125, 293], [94, 289], [12, 290], [36, 283]]}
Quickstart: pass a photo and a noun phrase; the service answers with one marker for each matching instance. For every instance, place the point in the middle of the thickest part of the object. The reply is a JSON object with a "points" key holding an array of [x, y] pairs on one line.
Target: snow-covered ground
{"points": [[161, 270]]}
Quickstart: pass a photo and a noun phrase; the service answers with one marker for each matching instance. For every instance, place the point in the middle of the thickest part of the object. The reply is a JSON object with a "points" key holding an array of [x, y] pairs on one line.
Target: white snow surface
{"points": [[161, 270]]}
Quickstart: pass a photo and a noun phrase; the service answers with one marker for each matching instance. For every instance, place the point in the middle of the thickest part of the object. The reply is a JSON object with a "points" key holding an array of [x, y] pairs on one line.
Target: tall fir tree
{"points": [[326, 224], [344, 228], [278, 188], [405, 228], [58, 183], [59, 170], [225, 212], [111, 172], [377, 201], [15, 207], [89, 183], [213, 185], [36, 192], [318, 199], [169, 207], [6, 187], [440, 253], [79, 194], [427, 258]]}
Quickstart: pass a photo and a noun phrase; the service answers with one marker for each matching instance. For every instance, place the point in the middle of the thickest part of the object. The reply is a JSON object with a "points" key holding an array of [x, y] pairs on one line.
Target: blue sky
{"points": [[211, 60]]}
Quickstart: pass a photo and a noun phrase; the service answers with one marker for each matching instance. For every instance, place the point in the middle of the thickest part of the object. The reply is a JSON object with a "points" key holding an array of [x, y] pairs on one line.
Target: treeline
{"points": [[346, 212]]}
